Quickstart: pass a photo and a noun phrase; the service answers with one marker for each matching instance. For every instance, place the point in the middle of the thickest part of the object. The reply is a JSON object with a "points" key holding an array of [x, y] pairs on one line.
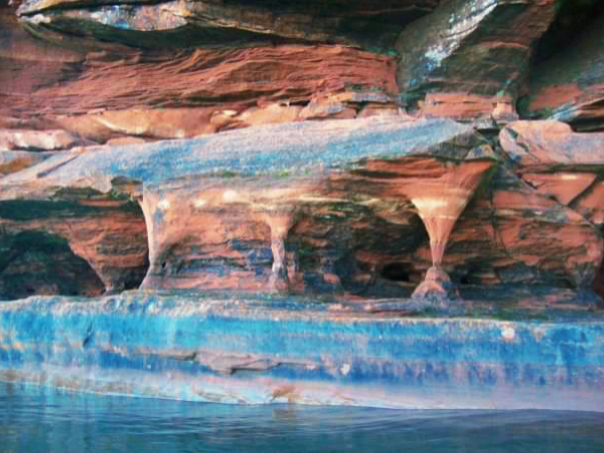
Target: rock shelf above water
{"points": [[314, 201], [257, 350]]}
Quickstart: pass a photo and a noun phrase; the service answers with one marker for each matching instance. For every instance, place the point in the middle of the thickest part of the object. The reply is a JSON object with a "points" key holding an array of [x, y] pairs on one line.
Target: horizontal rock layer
{"points": [[146, 344], [104, 95], [569, 86], [335, 204], [215, 22], [362, 207]]}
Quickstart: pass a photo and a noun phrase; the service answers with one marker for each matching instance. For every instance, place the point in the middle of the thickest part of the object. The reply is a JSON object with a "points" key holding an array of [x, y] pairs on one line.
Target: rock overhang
{"points": [[276, 150]]}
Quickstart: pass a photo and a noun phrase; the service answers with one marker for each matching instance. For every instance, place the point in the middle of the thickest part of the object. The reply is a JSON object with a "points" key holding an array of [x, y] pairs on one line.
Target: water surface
{"points": [[40, 419]]}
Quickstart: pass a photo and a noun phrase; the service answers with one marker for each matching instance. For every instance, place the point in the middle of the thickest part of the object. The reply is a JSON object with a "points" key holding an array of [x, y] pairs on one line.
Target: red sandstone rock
{"points": [[467, 106], [108, 235], [359, 23], [204, 91], [26, 63], [542, 145], [564, 187], [476, 47], [561, 164], [569, 86], [369, 226], [591, 204], [349, 232]]}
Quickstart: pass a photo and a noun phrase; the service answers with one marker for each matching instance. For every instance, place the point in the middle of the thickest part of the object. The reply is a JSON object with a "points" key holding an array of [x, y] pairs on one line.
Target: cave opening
{"points": [[397, 272], [87, 246], [39, 263]]}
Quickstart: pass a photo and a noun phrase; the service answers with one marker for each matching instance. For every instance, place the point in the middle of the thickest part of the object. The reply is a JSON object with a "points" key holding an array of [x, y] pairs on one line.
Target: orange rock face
{"points": [[177, 145], [247, 234], [561, 164], [201, 91], [465, 106], [104, 239]]}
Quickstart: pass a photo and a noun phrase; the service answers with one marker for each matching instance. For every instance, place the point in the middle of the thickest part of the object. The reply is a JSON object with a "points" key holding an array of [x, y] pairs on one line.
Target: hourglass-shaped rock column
{"points": [[439, 202], [279, 223]]}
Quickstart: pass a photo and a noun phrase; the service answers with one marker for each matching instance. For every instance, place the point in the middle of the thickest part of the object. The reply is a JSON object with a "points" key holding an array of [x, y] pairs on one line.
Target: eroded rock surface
{"points": [[204, 91], [569, 86], [470, 47], [72, 243], [119, 161], [357, 23], [560, 164], [347, 207]]}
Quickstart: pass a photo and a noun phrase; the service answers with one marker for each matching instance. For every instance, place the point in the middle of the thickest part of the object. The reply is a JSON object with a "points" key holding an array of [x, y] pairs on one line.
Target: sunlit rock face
{"points": [[303, 148]]}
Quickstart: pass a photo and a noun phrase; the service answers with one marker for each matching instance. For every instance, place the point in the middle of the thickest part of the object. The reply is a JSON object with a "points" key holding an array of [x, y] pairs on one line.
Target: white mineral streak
{"points": [[460, 29], [164, 205]]}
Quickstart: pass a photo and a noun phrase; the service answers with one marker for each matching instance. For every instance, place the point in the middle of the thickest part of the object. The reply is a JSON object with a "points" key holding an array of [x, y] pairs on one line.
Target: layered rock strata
{"points": [[265, 350], [564, 166], [369, 202], [336, 207], [359, 23]]}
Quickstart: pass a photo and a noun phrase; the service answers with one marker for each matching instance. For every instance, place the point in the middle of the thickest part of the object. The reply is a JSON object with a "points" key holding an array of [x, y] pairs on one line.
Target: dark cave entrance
{"points": [[38, 263], [82, 245]]}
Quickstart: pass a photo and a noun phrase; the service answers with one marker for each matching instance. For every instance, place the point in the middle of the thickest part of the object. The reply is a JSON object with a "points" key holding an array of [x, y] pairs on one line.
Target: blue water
{"points": [[39, 419]]}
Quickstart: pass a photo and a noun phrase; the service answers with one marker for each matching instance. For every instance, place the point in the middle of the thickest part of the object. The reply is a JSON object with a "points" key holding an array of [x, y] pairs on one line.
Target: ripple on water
{"points": [[41, 419]]}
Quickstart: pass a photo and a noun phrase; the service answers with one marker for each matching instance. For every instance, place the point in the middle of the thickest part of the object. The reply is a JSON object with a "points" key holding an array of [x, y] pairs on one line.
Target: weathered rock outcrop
{"points": [[479, 48], [569, 86], [562, 165], [119, 92], [333, 207], [376, 204], [204, 91], [72, 243], [356, 23]]}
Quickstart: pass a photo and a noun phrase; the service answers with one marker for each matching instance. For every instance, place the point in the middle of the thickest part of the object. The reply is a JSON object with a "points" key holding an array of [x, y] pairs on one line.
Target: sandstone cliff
{"points": [[447, 150]]}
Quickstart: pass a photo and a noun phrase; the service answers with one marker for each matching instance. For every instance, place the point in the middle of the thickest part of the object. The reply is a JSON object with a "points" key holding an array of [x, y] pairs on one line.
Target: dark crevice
{"points": [[38, 263], [572, 19], [397, 272], [40, 238]]}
